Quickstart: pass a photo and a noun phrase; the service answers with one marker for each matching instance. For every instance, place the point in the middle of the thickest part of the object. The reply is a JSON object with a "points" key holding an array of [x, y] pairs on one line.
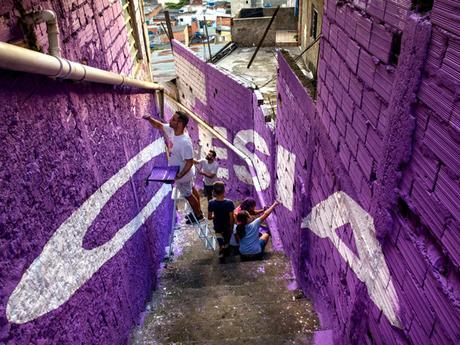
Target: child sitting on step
{"points": [[247, 234]]}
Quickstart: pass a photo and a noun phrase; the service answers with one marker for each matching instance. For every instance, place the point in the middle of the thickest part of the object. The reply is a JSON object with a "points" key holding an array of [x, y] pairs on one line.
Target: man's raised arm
{"points": [[155, 123]]}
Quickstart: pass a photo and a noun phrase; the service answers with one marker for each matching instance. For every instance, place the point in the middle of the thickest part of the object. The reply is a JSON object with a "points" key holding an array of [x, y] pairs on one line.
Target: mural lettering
{"points": [[64, 265], [241, 140], [370, 266]]}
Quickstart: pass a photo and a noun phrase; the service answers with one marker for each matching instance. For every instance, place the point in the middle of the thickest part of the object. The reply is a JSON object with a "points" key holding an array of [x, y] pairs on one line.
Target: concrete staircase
{"points": [[199, 301]]}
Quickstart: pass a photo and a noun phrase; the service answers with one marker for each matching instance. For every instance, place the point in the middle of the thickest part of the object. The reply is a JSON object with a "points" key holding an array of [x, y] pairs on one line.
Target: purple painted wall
{"points": [[221, 101], [384, 132], [60, 142]]}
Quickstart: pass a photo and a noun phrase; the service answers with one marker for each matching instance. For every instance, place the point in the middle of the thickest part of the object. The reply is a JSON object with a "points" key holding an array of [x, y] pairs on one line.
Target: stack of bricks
{"points": [[61, 141]]}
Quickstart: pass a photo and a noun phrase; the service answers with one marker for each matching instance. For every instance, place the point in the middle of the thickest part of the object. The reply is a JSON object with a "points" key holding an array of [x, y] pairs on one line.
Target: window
{"points": [[128, 9], [314, 23]]}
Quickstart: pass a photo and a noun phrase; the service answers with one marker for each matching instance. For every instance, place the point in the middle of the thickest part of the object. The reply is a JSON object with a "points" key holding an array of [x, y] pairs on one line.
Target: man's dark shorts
{"points": [[208, 191]]}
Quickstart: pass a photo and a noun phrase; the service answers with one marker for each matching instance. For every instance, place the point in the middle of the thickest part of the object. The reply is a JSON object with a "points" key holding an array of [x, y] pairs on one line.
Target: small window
{"points": [[131, 27], [314, 23]]}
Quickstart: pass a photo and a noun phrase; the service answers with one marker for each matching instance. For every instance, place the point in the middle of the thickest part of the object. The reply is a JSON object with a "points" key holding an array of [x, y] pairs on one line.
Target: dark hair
{"points": [[214, 154], [182, 117], [218, 188], [242, 218], [248, 204]]}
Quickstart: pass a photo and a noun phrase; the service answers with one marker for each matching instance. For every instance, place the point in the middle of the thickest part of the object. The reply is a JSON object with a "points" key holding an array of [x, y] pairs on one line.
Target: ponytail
{"points": [[242, 220]]}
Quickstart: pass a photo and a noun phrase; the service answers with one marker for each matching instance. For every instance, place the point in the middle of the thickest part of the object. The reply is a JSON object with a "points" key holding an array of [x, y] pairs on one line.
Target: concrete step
{"points": [[199, 301], [199, 327], [264, 339]]}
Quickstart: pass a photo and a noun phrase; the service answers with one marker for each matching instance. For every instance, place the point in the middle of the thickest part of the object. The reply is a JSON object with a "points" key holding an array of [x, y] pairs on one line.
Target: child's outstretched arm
{"points": [[268, 211]]}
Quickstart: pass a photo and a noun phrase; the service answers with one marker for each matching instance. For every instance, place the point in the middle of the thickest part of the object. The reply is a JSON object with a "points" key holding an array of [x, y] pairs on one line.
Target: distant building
{"points": [[237, 5], [310, 23], [163, 2]]}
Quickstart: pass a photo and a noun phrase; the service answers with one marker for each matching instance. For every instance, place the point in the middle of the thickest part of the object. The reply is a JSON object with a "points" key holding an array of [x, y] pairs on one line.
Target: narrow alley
{"points": [[343, 115], [200, 301]]}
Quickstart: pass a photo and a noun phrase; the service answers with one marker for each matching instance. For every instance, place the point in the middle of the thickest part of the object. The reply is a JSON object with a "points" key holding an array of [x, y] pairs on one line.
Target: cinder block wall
{"points": [[61, 142], [231, 108], [384, 131], [247, 32], [373, 228]]}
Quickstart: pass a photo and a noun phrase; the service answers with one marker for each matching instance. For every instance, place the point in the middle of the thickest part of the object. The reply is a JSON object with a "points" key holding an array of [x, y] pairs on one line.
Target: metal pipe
{"points": [[25, 60], [48, 17], [29, 61], [263, 36], [207, 37]]}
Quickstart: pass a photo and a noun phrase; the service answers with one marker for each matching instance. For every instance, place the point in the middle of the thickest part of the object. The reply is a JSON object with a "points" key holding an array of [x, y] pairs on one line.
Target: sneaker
{"points": [[191, 220]]}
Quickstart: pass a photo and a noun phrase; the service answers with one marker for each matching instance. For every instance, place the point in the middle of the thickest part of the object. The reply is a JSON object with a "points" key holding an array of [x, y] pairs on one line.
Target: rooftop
{"points": [[262, 73]]}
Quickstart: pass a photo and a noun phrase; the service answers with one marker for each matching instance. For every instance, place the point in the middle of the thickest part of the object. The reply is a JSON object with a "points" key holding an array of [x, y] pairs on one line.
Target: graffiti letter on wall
{"points": [[370, 267], [285, 168], [64, 265], [242, 138]]}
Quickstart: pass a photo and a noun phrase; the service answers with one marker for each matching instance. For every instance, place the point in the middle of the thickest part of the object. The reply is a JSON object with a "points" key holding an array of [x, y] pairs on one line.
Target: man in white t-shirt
{"points": [[208, 168], [181, 155]]}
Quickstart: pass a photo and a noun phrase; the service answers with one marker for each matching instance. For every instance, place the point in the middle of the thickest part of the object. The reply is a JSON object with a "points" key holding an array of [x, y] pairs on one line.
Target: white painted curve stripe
{"points": [[64, 265]]}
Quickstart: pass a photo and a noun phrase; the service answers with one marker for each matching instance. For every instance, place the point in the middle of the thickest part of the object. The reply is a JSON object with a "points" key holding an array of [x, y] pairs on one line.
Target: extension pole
{"points": [[263, 37], [168, 25], [207, 36], [167, 35]]}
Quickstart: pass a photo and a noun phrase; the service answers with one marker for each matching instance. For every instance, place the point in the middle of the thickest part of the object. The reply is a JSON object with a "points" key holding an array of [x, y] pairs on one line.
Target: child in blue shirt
{"points": [[247, 234]]}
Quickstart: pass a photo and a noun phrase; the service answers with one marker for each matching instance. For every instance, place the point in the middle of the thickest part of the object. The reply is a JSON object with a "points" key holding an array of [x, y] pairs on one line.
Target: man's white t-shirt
{"points": [[210, 169], [180, 149]]}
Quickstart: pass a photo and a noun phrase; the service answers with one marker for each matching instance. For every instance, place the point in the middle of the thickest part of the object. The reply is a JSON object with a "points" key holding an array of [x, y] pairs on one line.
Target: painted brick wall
{"points": [[91, 32], [384, 131], [70, 161], [230, 107], [372, 227]]}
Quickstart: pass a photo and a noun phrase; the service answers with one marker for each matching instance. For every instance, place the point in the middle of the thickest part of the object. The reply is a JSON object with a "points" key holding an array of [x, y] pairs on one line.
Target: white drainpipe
{"points": [[26, 60], [48, 17]]}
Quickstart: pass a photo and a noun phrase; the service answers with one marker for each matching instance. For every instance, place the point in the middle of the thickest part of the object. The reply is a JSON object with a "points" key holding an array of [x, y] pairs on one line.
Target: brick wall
{"points": [[72, 193], [384, 132], [247, 32], [372, 222], [93, 33], [227, 105]]}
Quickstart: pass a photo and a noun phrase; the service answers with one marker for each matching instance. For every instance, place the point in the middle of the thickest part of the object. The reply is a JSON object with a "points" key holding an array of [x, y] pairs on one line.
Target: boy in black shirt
{"points": [[220, 210]]}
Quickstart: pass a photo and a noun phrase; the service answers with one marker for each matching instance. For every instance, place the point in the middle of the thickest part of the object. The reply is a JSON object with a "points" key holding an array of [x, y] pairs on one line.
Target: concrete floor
{"points": [[199, 301]]}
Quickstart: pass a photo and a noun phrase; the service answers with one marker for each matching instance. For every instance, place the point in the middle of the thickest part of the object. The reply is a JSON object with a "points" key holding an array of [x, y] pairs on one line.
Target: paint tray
{"points": [[163, 174]]}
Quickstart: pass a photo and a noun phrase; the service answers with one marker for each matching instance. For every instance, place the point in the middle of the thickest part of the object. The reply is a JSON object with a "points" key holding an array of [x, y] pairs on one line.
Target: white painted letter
{"points": [[242, 138], [370, 267], [64, 265]]}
